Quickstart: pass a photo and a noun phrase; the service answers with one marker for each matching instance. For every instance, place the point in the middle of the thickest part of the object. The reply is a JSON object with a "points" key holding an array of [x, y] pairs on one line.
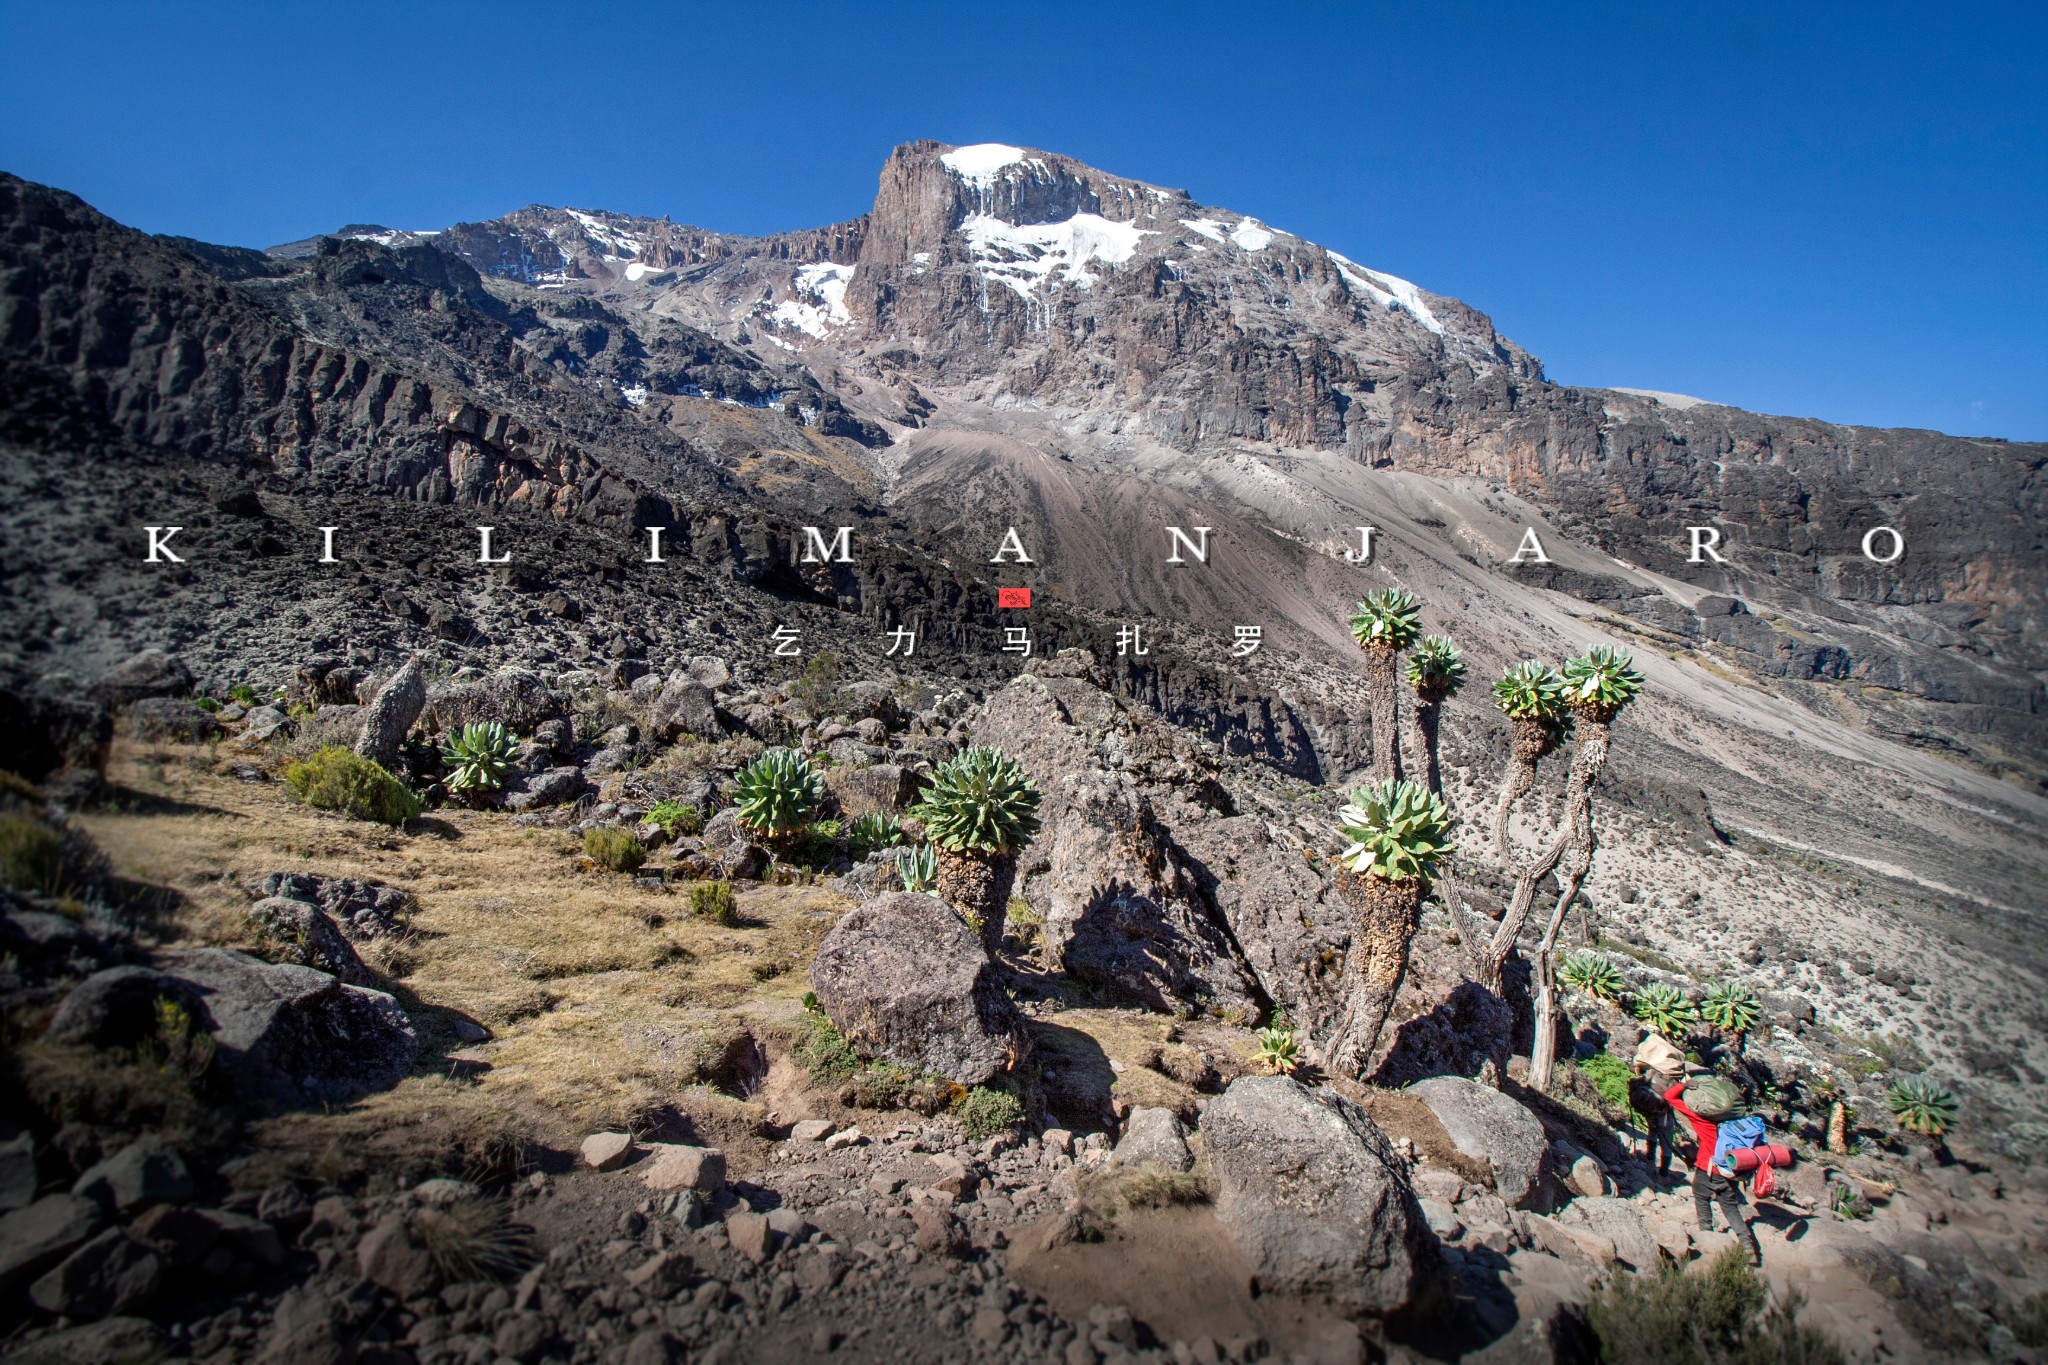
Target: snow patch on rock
{"points": [[820, 302], [1025, 256], [1388, 291]]}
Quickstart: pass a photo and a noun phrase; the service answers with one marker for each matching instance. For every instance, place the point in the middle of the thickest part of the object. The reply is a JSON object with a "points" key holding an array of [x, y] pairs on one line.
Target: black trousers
{"points": [[1709, 1187]]}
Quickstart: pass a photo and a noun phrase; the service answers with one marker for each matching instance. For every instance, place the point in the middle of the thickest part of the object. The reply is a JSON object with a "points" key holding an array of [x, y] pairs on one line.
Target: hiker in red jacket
{"points": [[1708, 1183]]}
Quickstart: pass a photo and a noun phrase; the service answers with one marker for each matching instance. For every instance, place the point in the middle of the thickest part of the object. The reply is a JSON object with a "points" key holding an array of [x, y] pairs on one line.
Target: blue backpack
{"points": [[1735, 1135]]}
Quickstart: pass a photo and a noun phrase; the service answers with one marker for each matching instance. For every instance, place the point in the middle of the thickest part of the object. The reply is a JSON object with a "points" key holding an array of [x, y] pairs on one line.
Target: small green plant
{"points": [[1609, 1075], [1732, 1008], [871, 833], [674, 818], [811, 1005], [472, 1239], [816, 685], [1922, 1106], [32, 855], [918, 869], [981, 801], [178, 1044], [1026, 923], [714, 901], [823, 1052], [1721, 1314], [207, 704], [1386, 618], [1593, 974], [1397, 831], [985, 1110], [2028, 1320], [1436, 669], [1530, 690], [341, 779], [243, 695], [478, 756], [1279, 1051], [1665, 1008], [1600, 682], [778, 793], [1848, 1202], [613, 849]]}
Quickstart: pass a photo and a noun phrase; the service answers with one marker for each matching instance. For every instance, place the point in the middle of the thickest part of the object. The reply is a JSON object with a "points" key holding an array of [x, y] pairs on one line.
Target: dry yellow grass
{"points": [[607, 1001]]}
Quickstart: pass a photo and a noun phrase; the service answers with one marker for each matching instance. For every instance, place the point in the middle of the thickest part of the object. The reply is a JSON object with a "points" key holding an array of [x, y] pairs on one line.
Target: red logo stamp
{"points": [[1013, 597]]}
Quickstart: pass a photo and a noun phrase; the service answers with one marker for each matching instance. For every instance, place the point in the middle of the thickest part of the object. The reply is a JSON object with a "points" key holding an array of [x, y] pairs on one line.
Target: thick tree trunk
{"points": [[1588, 758], [1532, 742], [1386, 913], [1429, 719], [977, 885], [1382, 680]]}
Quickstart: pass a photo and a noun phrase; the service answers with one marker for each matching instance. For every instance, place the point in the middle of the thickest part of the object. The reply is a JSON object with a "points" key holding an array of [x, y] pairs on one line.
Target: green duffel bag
{"points": [[1713, 1097]]}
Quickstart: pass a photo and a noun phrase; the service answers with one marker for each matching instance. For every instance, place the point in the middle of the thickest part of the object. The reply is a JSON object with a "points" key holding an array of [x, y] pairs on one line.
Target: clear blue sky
{"points": [[1838, 212]]}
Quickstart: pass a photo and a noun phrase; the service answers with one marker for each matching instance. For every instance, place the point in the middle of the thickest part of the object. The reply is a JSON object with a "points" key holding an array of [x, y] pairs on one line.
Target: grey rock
{"points": [[870, 700], [1491, 1127], [388, 1257], [652, 1346], [1313, 1193], [750, 1234], [363, 910], [552, 787], [514, 697], [35, 1238], [265, 722], [150, 673], [93, 1343], [684, 707], [1787, 1009], [1154, 1137], [1621, 1223], [172, 719], [711, 671], [662, 1275], [292, 1035], [145, 1172], [391, 714], [115, 1007], [903, 978], [875, 789], [17, 1172], [299, 932], [111, 1274]]}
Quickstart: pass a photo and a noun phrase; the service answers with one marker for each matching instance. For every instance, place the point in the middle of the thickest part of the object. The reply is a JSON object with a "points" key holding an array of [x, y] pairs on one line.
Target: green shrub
{"points": [[1664, 1008], [1396, 830], [614, 849], [1436, 670], [777, 793], [714, 901], [242, 695], [31, 855], [1922, 1106], [1279, 1051], [2028, 1320], [1026, 924], [1386, 618], [872, 832], [473, 1239], [1594, 974], [341, 779], [918, 868], [985, 1111], [1719, 1315], [675, 818], [1731, 1008], [479, 755], [1600, 682], [207, 704], [824, 1053], [1609, 1075], [982, 800]]}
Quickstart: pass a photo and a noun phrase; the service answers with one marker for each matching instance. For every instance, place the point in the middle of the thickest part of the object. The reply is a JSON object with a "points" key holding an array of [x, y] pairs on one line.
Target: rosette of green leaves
{"points": [[981, 801], [1396, 830], [1386, 618], [778, 793]]}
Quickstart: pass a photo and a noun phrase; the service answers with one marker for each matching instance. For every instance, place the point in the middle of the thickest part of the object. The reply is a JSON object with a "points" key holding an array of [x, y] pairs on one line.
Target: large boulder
{"points": [[144, 1173], [291, 1035], [44, 735], [1122, 909], [113, 1273], [874, 789], [684, 707], [513, 696], [176, 720], [299, 932], [362, 910], [904, 979], [1154, 1137], [116, 1007], [37, 1237], [152, 673], [390, 716], [1315, 1196], [1493, 1128]]}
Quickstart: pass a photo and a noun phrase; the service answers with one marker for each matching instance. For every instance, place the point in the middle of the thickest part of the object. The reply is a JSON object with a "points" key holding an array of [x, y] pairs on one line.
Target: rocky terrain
{"points": [[282, 1082]]}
